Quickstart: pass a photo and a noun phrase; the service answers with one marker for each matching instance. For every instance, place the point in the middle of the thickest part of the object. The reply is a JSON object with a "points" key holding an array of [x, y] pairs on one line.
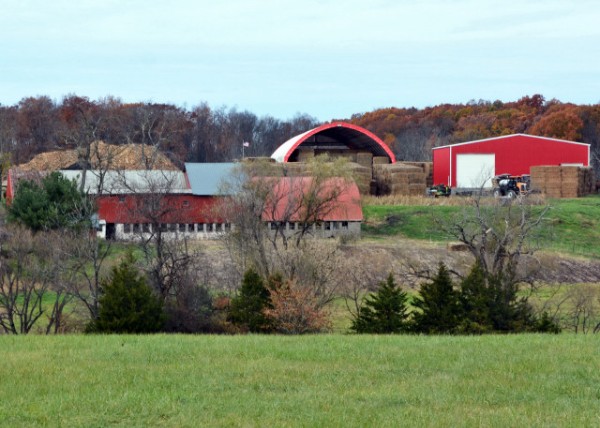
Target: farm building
{"points": [[474, 163], [373, 164], [335, 139]]}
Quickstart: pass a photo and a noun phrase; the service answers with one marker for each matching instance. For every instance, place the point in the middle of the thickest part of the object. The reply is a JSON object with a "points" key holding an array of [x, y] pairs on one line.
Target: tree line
{"points": [[200, 134], [207, 134], [412, 133]]}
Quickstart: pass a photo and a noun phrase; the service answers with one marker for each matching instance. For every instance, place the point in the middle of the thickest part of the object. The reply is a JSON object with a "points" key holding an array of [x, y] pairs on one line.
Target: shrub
{"points": [[127, 304], [383, 312], [247, 309], [438, 306], [296, 310]]}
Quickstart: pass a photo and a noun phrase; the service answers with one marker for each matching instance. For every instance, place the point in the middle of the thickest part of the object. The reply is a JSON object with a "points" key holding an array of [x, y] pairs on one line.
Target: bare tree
{"points": [[261, 204], [30, 273]]}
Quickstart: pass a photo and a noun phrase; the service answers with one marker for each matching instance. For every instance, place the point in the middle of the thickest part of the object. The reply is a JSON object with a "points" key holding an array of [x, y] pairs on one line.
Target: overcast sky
{"points": [[329, 59]]}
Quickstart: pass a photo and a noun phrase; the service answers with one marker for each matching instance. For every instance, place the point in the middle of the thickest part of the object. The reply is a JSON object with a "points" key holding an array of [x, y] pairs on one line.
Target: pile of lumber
{"points": [[563, 181], [399, 179]]}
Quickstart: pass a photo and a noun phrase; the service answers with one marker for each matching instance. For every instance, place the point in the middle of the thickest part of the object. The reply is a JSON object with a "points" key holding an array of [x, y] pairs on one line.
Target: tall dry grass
{"points": [[453, 201]]}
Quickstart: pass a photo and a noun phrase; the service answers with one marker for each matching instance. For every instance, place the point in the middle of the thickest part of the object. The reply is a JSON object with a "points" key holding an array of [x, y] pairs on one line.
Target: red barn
{"points": [[474, 163]]}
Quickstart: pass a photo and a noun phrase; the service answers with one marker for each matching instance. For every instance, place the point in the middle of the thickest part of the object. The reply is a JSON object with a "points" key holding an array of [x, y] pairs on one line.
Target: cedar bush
{"points": [[127, 304], [383, 312], [247, 309], [438, 305]]}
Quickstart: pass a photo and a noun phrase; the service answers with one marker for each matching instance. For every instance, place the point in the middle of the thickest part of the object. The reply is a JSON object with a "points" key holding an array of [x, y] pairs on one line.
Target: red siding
{"points": [[441, 166], [515, 154], [168, 209]]}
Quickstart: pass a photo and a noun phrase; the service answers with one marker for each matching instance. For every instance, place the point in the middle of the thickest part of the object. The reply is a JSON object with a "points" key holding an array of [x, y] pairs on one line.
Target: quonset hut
{"points": [[335, 139]]}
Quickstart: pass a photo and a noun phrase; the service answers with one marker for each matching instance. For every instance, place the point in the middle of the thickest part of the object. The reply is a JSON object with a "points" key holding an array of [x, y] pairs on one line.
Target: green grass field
{"points": [[325, 380], [570, 226]]}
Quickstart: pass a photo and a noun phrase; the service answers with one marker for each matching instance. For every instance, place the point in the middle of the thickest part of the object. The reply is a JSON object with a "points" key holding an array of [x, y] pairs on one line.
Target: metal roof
{"points": [[352, 136], [504, 137], [207, 178], [114, 182]]}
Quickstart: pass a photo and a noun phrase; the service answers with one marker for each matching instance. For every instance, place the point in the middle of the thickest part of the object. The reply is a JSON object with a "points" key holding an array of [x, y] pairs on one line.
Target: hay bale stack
{"points": [[399, 179], [364, 159], [562, 181], [426, 167], [363, 177], [569, 187], [380, 160], [305, 155]]}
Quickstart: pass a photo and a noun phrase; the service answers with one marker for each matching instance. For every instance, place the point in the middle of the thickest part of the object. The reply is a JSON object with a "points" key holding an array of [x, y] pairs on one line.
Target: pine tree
{"points": [[127, 304], [248, 308], [438, 306], [384, 311], [475, 299]]}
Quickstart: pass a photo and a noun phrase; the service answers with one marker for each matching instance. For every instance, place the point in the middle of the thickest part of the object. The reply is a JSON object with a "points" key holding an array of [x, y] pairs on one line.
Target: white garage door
{"points": [[473, 170]]}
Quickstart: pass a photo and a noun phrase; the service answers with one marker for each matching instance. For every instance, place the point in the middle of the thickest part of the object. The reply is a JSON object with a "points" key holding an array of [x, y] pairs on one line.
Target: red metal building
{"points": [[474, 163]]}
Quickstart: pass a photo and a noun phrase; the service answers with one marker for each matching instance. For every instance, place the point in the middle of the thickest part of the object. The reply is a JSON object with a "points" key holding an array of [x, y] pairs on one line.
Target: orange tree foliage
{"points": [[296, 309], [564, 123]]}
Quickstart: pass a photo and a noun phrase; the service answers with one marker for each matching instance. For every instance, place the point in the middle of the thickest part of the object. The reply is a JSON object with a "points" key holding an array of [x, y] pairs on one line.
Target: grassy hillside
{"points": [[299, 381], [571, 225]]}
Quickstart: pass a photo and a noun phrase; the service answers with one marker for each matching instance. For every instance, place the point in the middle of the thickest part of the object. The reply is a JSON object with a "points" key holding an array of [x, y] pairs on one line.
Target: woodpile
{"points": [[563, 181], [399, 179], [102, 156]]}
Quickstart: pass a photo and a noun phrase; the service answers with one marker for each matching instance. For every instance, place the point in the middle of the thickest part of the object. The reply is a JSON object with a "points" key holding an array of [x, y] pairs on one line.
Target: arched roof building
{"points": [[337, 138]]}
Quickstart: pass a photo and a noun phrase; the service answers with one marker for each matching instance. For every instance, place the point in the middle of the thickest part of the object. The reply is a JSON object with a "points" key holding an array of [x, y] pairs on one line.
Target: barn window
{"points": [[344, 225], [209, 227], [292, 225], [191, 227], [136, 228], [146, 227], [121, 199], [126, 228], [327, 225], [227, 227], [186, 203], [172, 227], [163, 227], [336, 225], [273, 225], [182, 227], [200, 227]]}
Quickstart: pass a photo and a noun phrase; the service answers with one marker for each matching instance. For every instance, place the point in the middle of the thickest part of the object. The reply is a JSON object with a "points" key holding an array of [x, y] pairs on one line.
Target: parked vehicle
{"points": [[511, 186], [439, 191]]}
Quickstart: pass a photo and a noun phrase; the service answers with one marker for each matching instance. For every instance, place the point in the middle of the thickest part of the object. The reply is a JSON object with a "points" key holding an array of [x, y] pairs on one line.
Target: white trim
{"points": [[451, 162], [512, 135]]}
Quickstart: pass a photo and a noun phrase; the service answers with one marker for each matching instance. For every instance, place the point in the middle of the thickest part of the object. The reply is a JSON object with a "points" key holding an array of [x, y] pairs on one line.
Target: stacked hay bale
{"points": [[365, 159], [562, 181], [427, 168], [305, 155], [363, 177], [569, 186], [380, 160], [399, 179]]}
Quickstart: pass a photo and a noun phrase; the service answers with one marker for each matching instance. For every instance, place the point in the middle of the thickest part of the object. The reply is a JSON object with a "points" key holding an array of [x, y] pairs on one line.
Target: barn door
{"points": [[475, 170]]}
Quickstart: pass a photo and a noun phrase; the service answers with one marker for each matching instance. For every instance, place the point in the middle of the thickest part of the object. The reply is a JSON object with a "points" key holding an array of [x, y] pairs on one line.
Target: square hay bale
{"points": [[379, 160]]}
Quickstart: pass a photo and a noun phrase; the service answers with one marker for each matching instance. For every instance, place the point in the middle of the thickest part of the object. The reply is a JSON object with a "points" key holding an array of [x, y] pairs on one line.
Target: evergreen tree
{"points": [[475, 300], [53, 203], [384, 311], [438, 306], [248, 307], [127, 304]]}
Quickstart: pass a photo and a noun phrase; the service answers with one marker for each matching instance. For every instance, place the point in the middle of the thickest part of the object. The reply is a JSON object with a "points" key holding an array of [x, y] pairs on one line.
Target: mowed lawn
{"points": [[324, 380]]}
